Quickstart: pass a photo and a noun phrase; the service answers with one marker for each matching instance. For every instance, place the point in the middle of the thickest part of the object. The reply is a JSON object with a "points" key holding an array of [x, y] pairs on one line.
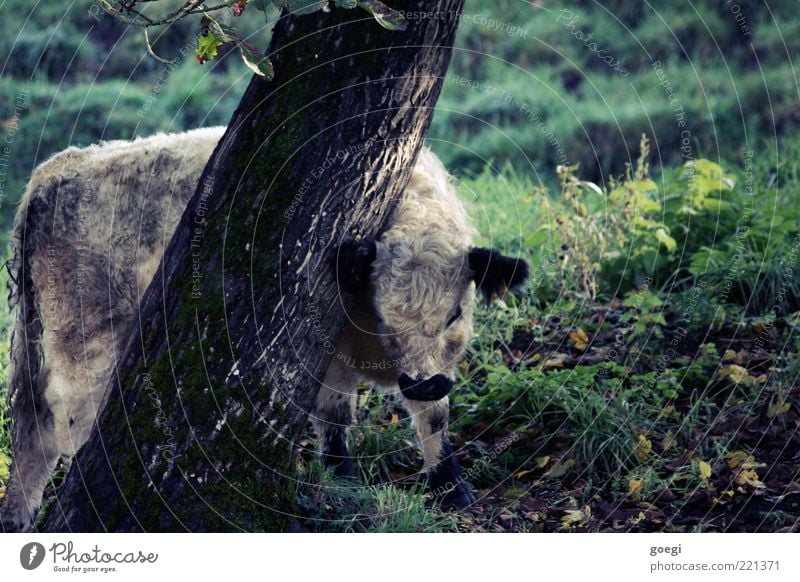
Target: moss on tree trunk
{"points": [[239, 324]]}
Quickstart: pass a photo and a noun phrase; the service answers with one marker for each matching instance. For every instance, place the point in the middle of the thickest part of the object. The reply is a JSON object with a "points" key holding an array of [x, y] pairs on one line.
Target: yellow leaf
{"points": [[728, 355], [737, 458], [521, 474], [761, 379], [666, 240], [737, 374], [541, 462], [580, 338], [777, 408], [643, 448], [634, 486], [557, 361], [395, 420], [749, 477], [639, 518], [576, 517], [705, 470], [742, 460]]}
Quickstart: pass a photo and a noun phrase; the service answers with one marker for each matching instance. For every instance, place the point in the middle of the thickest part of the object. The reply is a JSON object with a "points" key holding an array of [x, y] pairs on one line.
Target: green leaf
{"points": [[646, 185], [645, 204], [536, 238], [715, 204], [666, 240], [387, 17], [256, 61], [207, 47], [645, 222], [224, 32], [711, 170]]}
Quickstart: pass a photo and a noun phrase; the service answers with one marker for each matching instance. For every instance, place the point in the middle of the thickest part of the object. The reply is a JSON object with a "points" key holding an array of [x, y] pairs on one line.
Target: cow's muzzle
{"points": [[433, 388]]}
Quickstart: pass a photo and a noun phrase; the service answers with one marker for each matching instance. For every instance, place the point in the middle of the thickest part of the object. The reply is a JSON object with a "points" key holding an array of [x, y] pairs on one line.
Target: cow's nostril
{"points": [[433, 388], [406, 382]]}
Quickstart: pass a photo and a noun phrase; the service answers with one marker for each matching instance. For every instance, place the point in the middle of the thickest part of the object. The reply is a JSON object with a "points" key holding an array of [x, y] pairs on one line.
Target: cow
{"points": [[89, 235]]}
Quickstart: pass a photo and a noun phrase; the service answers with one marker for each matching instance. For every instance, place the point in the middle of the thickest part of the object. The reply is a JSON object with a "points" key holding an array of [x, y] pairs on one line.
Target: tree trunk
{"points": [[239, 324]]}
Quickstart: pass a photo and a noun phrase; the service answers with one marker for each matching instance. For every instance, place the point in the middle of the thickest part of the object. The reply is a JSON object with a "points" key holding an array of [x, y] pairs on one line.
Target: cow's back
{"points": [[94, 223], [88, 236]]}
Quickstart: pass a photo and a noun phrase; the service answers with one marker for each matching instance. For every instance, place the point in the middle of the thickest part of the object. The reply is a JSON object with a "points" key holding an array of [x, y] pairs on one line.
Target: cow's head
{"points": [[423, 292]]}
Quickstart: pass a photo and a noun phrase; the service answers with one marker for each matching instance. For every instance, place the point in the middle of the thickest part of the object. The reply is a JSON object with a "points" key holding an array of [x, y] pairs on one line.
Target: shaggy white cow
{"points": [[88, 237]]}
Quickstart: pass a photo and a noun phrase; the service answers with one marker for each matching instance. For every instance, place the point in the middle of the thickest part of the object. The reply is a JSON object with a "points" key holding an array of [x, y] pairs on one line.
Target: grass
{"points": [[331, 505]]}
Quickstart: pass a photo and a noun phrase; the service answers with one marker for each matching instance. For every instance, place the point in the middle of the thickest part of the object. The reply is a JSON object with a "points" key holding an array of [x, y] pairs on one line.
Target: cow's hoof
{"points": [[335, 455], [345, 469], [458, 498]]}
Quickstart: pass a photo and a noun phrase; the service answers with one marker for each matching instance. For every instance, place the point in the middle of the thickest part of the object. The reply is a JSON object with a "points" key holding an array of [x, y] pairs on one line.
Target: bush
{"points": [[53, 53]]}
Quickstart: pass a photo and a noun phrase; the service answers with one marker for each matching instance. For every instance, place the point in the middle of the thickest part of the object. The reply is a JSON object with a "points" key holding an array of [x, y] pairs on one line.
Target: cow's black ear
{"points": [[353, 262], [494, 272]]}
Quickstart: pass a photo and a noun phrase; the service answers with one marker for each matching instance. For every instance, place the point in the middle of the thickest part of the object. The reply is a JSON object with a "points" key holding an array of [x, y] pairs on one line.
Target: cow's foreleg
{"points": [[332, 416], [444, 473]]}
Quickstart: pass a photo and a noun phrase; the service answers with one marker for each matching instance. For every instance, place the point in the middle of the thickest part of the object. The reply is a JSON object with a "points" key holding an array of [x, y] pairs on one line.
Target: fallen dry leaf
{"points": [[742, 460], [643, 448], [736, 374], [749, 477], [576, 517], [560, 469], [777, 408], [555, 361], [580, 338]]}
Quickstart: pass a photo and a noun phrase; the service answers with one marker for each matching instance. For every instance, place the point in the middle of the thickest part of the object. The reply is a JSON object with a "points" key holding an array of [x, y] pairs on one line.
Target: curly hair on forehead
{"points": [[424, 252]]}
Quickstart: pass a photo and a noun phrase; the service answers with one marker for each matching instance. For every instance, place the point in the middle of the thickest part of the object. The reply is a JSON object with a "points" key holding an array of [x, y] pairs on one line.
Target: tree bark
{"points": [[239, 324]]}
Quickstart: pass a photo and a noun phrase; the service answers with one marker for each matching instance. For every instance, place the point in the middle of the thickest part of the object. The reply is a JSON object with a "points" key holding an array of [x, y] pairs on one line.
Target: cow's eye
{"points": [[455, 317]]}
